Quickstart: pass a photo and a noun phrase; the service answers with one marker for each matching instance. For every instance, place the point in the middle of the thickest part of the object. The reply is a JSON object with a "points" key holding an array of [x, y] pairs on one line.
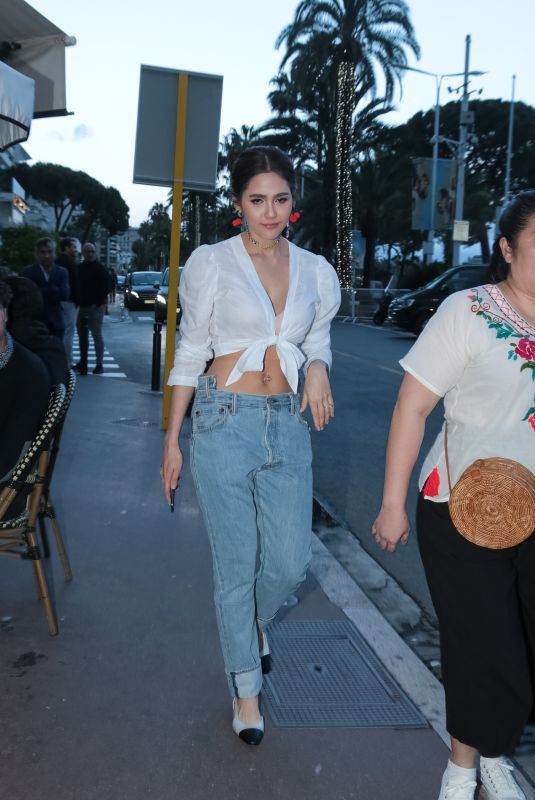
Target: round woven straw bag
{"points": [[493, 502]]}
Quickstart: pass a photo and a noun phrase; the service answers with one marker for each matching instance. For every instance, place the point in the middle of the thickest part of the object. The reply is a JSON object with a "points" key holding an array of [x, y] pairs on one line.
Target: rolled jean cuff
{"points": [[245, 684], [262, 624]]}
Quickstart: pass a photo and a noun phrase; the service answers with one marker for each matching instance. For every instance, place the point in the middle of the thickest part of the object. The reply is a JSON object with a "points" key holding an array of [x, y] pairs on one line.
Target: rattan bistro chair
{"points": [[47, 510], [18, 534]]}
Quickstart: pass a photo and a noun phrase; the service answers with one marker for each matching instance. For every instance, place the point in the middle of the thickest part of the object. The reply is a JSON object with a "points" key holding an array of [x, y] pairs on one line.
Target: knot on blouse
{"points": [[252, 360]]}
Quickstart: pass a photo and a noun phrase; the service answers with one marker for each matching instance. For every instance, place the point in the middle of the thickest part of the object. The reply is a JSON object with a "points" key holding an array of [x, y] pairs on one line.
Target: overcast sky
{"points": [[236, 39]]}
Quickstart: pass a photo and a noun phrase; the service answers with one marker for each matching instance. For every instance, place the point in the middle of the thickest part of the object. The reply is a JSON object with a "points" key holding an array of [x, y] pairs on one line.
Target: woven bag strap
{"points": [[446, 454]]}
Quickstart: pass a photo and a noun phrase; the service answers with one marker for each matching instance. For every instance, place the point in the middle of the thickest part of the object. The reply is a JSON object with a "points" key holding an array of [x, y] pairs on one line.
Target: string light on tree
{"points": [[344, 200]]}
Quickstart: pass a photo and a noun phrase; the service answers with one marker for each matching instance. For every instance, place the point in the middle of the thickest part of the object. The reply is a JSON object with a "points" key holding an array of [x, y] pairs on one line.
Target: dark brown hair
{"points": [[257, 160], [27, 300], [514, 219]]}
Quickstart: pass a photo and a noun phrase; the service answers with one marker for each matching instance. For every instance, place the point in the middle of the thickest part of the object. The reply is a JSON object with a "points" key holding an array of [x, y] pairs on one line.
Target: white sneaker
{"points": [[455, 786], [498, 781]]}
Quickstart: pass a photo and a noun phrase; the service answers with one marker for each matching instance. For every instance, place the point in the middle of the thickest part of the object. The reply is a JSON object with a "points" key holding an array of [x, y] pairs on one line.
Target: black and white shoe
{"points": [[250, 734]]}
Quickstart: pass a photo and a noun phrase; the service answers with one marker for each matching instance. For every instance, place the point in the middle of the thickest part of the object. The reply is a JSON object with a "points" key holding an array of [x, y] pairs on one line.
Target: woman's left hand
{"points": [[317, 395]]}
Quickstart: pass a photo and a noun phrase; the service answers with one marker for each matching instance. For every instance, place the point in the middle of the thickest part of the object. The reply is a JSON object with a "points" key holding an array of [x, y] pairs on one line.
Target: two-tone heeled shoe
{"points": [[265, 654], [250, 734]]}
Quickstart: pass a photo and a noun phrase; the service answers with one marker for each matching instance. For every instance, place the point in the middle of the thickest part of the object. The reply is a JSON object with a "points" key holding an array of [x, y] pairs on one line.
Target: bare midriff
{"points": [[271, 381]]}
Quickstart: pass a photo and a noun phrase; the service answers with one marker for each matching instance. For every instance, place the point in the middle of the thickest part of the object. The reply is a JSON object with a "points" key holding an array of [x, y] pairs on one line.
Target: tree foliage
{"points": [[152, 247], [18, 243], [345, 59], [78, 200], [486, 156]]}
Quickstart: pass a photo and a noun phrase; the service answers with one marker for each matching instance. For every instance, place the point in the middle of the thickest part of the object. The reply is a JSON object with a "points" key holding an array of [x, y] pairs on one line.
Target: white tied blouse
{"points": [[227, 310], [478, 354]]}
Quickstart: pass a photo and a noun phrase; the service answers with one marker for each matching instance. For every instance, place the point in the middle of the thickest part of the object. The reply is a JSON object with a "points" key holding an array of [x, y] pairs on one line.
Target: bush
{"points": [[16, 250]]}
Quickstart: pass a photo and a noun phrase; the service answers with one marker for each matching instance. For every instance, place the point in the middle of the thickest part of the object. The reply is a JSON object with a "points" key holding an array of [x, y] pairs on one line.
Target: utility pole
{"points": [[510, 145], [461, 153]]}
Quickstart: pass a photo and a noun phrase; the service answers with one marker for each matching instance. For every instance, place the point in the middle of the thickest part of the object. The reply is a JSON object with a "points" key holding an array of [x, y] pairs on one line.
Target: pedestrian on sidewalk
{"points": [[93, 297], [262, 307], [52, 281], [478, 353], [112, 285], [68, 253]]}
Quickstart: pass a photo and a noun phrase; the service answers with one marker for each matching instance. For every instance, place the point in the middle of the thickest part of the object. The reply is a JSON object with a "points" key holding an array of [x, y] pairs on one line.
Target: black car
{"points": [[160, 303], [413, 310], [140, 289]]}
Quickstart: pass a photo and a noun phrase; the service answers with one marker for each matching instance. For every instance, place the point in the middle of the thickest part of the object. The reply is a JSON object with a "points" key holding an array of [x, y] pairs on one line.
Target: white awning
{"points": [[16, 106], [33, 45]]}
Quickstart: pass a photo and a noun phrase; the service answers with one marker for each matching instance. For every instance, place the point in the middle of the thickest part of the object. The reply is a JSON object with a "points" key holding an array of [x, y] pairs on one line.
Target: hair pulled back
{"points": [[514, 219], [257, 160], [26, 301]]}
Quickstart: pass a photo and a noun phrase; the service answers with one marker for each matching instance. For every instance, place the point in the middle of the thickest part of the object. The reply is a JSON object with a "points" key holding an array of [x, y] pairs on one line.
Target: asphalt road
{"points": [[349, 453]]}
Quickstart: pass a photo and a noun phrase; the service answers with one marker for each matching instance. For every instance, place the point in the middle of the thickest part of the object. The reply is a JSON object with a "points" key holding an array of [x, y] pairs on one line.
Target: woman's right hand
{"points": [[171, 468], [391, 527]]}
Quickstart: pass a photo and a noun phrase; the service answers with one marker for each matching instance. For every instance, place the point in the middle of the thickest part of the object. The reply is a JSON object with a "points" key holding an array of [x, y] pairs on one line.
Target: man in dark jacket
{"points": [[93, 278], [53, 283], [68, 249]]}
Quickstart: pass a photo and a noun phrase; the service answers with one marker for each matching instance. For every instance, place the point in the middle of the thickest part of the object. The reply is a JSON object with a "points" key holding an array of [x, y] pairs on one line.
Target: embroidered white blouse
{"points": [[225, 309], [478, 354]]}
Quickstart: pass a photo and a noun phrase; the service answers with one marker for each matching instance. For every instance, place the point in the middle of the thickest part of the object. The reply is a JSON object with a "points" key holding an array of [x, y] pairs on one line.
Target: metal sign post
{"points": [[177, 144]]}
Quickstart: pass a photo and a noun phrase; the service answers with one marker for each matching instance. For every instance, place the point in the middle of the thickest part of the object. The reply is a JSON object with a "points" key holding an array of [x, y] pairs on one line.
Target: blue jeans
{"points": [[252, 465]]}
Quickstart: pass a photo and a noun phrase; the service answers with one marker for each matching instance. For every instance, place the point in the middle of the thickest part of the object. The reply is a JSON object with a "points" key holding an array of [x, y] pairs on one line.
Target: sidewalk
{"points": [[130, 700]]}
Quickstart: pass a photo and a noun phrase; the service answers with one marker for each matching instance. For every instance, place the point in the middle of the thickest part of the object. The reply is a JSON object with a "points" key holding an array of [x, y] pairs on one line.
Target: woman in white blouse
{"points": [[262, 308], [478, 353]]}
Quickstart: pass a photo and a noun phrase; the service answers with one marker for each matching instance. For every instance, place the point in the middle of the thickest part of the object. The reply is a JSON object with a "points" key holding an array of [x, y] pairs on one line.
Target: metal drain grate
{"points": [[325, 675]]}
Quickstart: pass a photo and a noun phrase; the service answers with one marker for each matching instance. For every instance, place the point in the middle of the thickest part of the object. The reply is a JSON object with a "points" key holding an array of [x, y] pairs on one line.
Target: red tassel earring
{"points": [[294, 216], [237, 222]]}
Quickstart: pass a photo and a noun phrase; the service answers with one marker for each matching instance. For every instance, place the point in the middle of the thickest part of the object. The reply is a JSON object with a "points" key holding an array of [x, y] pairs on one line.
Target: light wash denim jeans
{"points": [[252, 465]]}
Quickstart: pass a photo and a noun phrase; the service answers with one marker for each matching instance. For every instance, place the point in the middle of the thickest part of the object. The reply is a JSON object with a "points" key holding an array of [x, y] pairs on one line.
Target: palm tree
{"points": [[232, 145], [367, 44]]}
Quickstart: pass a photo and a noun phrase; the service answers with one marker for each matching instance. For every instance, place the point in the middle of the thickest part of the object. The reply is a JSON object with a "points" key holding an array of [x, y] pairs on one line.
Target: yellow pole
{"points": [[176, 219]]}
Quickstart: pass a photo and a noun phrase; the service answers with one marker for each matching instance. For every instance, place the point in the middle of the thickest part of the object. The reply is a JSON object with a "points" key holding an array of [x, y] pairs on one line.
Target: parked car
{"points": [[140, 289], [160, 303], [412, 311], [121, 280]]}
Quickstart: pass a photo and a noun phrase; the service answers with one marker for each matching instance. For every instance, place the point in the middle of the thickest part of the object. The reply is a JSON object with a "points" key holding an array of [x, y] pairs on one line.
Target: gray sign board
{"points": [[157, 124]]}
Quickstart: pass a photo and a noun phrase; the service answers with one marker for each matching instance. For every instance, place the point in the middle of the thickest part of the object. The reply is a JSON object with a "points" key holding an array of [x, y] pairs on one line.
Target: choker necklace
{"points": [[269, 246]]}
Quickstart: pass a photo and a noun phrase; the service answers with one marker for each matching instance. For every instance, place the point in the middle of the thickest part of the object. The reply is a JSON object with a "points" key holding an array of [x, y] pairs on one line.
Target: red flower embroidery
{"points": [[432, 483], [531, 420], [526, 349]]}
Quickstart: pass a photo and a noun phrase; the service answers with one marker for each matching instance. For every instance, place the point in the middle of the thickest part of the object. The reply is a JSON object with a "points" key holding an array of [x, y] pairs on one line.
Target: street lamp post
{"points": [[438, 76], [461, 153], [510, 144]]}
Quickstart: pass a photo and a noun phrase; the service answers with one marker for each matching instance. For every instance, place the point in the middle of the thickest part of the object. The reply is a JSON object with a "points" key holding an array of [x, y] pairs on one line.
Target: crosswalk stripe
{"points": [[108, 361]]}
